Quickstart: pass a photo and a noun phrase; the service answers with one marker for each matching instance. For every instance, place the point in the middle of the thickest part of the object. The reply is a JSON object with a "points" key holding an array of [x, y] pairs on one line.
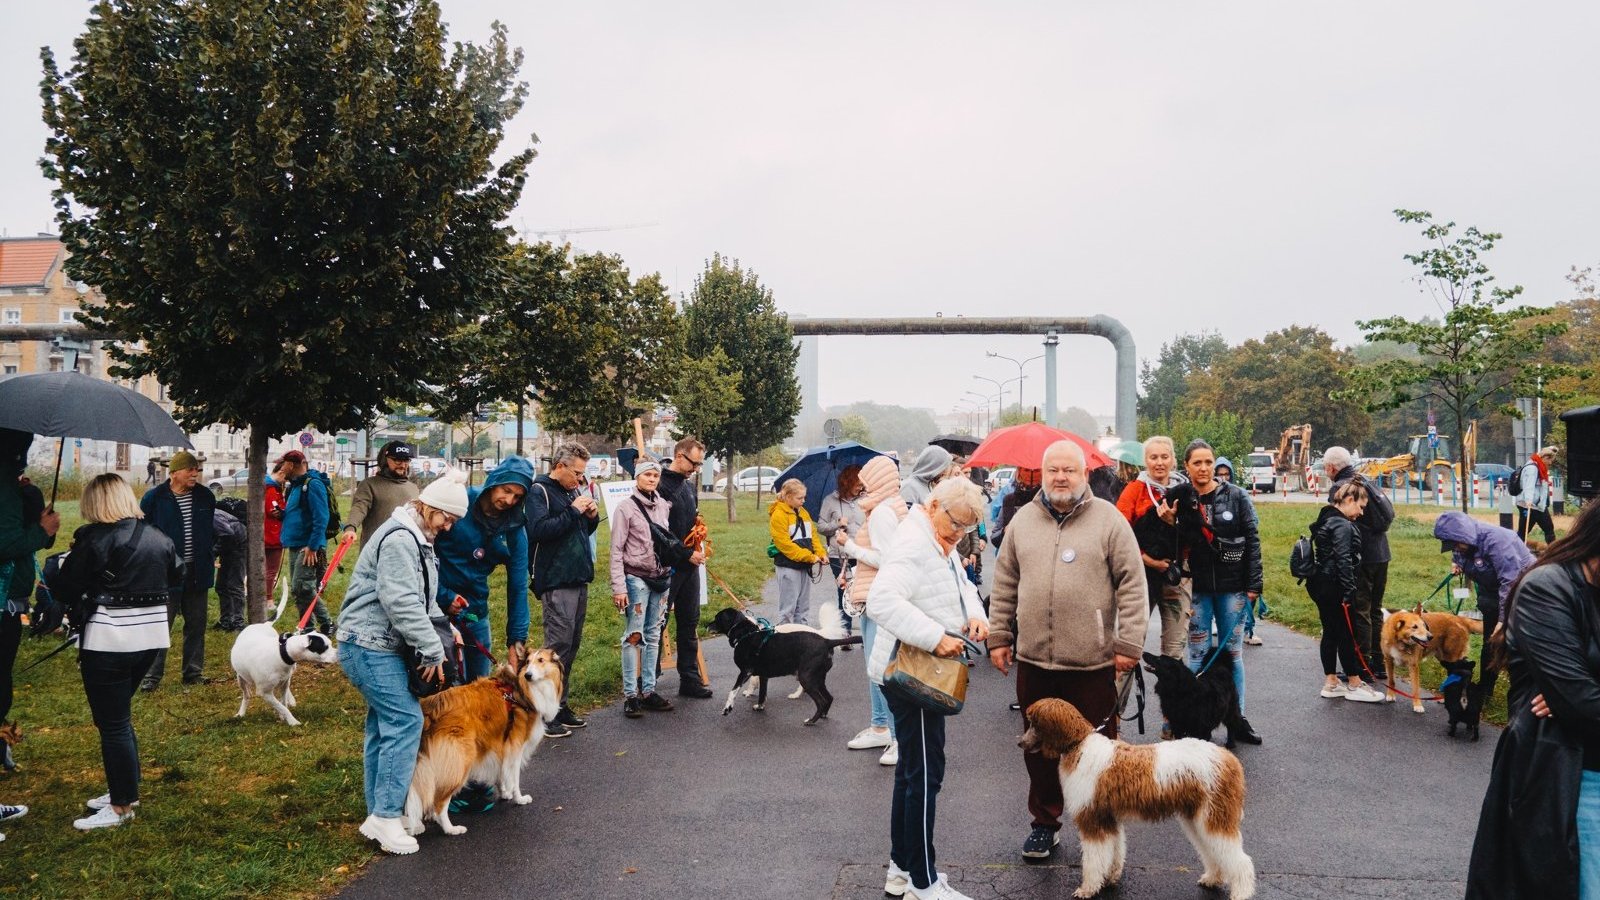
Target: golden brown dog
{"points": [[1410, 635], [1104, 780], [482, 731]]}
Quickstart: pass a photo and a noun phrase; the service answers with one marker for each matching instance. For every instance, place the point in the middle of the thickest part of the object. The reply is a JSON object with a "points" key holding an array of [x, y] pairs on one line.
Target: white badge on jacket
{"points": [[1068, 555]]}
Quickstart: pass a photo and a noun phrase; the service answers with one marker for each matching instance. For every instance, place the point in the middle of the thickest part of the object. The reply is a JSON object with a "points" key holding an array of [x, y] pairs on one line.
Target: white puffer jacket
{"points": [[920, 593]]}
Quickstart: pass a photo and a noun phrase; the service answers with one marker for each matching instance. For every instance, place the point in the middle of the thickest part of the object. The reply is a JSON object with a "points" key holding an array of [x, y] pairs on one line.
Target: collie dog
{"points": [[1104, 780], [482, 731], [1410, 635]]}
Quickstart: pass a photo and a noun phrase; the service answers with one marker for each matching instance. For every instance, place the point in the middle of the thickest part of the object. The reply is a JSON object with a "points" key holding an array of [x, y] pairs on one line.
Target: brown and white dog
{"points": [[1410, 635], [1104, 780], [482, 731]]}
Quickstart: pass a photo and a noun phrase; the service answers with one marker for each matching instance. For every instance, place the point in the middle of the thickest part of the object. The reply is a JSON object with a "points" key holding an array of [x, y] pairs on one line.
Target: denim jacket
{"points": [[388, 604]]}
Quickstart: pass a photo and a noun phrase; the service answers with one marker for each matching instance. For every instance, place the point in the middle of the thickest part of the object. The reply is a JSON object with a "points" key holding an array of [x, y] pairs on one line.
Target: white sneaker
{"points": [[105, 818], [1363, 694], [890, 756], [1253, 641], [899, 881], [939, 890], [1334, 691], [869, 738], [390, 835], [103, 801]]}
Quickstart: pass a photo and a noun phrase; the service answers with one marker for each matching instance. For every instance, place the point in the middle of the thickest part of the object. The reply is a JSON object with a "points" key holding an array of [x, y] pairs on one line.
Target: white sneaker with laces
{"points": [[1334, 691], [939, 890], [390, 835], [1363, 694], [104, 818], [103, 801], [869, 739], [899, 881], [890, 756]]}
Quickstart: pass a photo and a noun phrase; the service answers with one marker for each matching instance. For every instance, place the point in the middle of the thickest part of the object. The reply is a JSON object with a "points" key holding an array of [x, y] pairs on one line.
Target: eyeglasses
{"points": [[965, 527], [694, 463]]}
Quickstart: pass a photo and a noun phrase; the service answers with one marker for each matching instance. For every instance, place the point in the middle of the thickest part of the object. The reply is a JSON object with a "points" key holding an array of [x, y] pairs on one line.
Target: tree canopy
{"points": [[1163, 386], [1286, 378]]}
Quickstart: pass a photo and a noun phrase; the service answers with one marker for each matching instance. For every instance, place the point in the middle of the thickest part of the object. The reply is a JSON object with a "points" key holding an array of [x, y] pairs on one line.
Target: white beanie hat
{"points": [[447, 493]]}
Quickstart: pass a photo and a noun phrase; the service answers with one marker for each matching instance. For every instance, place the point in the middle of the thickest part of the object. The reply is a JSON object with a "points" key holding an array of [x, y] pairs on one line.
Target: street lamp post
{"points": [[988, 420], [1001, 387], [1019, 363]]}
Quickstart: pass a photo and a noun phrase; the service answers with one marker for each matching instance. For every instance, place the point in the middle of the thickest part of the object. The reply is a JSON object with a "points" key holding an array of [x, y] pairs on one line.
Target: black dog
{"points": [[806, 655], [1463, 700], [1195, 706]]}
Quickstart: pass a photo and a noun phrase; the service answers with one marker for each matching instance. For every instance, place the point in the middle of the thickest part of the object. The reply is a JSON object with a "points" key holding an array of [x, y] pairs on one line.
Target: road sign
{"points": [[833, 428], [341, 441], [306, 439]]}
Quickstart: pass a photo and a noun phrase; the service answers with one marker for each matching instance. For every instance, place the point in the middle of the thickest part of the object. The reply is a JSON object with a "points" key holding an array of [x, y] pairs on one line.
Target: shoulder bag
{"points": [[936, 684], [412, 656]]}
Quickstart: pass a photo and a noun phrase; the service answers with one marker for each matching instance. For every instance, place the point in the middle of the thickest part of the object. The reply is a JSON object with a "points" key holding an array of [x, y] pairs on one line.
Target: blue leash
{"points": [[1223, 636]]}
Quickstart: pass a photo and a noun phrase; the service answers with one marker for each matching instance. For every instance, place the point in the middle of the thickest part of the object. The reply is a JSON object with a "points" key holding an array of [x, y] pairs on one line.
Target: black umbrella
{"points": [[957, 444], [70, 404]]}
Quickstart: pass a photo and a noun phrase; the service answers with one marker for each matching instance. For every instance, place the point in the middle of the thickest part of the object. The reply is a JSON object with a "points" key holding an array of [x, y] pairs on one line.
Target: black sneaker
{"points": [[1245, 733], [694, 690], [554, 729], [570, 719], [1040, 844], [473, 798], [149, 684], [656, 703], [630, 708], [193, 680]]}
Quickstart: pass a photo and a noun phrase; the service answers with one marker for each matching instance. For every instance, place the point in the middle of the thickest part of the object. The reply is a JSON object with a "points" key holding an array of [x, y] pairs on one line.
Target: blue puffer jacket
{"points": [[471, 549], [305, 512], [160, 509], [1498, 557]]}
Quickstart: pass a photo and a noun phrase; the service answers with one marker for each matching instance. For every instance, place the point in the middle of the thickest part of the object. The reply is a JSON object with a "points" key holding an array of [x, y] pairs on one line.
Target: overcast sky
{"points": [[1179, 166]]}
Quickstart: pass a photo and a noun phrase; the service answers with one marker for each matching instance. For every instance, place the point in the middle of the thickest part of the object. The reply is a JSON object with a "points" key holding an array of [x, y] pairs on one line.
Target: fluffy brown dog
{"points": [[1409, 636], [483, 731], [1103, 780]]}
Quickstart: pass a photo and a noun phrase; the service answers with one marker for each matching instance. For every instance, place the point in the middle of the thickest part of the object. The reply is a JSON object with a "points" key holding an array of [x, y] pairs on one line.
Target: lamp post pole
{"points": [[1019, 363], [988, 423], [1001, 387]]}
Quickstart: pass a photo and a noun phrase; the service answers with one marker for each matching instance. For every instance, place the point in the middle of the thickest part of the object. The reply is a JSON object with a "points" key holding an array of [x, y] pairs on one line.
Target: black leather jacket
{"points": [[1336, 544], [1218, 531], [103, 564]]}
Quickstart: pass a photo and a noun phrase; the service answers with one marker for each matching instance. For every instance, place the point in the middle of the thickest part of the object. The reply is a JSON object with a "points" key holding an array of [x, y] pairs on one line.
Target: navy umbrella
{"points": [[70, 404], [818, 469]]}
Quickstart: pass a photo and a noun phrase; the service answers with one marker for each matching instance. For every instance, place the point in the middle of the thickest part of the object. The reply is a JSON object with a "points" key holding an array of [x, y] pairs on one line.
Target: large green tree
{"points": [[1226, 432], [731, 310], [707, 392], [1164, 385], [289, 207], [1475, 357], [1286, 378]]}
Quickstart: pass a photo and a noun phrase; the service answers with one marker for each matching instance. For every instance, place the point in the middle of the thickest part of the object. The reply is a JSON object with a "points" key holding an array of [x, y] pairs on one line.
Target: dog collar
{"points": [[283, 649], [512, 699]]}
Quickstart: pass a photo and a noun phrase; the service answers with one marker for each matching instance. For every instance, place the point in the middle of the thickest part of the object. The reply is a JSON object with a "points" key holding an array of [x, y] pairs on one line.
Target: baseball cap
{"points": [[293, 456], [397, 450]]}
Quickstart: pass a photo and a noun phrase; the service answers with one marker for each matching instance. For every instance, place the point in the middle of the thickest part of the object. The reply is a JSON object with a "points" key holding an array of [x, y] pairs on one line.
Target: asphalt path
{"points": [[1344, 800]]}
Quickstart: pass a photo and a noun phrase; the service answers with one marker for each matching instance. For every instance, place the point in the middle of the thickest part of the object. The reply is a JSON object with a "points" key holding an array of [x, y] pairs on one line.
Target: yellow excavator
{"points": [[1428, 463], [1294, 456]]}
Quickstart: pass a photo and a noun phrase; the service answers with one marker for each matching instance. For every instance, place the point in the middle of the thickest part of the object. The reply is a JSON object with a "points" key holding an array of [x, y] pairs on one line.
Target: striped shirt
{"points": [[186, 510], [122, 629]]}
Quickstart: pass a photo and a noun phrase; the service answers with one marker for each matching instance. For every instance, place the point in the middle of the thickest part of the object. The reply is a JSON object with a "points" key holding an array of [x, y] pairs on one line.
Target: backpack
{"points": [[670, 551], [1302, 565], [1514, 483], [333, 527], [237, 507]]}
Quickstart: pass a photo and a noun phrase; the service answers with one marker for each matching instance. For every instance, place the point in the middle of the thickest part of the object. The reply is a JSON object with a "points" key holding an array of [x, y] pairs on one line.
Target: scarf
{"points": [[1544, 469]]}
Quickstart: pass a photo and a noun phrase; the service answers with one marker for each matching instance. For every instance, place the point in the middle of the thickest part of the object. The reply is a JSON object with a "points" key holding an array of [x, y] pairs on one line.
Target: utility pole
{"points": [[1019, 363]]}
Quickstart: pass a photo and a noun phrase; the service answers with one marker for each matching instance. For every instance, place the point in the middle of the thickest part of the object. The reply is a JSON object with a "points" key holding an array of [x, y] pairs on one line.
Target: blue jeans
{"points": [[394, 726], [644, 622], [1589, 836], [880, 706], [1226, 609], [476, 664]]}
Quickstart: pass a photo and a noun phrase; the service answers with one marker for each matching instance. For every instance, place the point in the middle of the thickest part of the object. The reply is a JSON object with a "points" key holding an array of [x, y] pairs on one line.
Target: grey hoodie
{"points": [[930, 464]]}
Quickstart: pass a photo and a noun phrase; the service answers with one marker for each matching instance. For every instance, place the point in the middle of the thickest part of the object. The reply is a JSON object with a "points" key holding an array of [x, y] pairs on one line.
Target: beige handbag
{"points": [[936, 684]]}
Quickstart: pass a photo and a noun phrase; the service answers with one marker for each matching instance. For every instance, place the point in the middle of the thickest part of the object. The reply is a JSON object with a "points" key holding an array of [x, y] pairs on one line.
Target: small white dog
{"points": [[264, 661]]}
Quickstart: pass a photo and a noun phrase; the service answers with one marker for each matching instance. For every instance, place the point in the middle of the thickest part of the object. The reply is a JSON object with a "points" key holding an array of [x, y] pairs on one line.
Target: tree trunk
{"points": [[255, 527], [1464, 480], [519, 426], [727, 489]]}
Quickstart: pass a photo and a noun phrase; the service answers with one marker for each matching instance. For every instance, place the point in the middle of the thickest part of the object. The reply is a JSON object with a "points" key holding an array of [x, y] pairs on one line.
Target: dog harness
{"points": [[763, 628], [283, 650]]}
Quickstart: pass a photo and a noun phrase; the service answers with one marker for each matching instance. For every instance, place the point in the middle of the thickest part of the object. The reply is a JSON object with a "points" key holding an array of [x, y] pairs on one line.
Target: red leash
{"points": [[1363, 659], [327, 576]]}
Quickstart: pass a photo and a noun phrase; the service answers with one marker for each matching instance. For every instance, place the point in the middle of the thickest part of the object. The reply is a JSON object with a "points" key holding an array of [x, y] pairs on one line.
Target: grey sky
{"points": [[1176, 165]]}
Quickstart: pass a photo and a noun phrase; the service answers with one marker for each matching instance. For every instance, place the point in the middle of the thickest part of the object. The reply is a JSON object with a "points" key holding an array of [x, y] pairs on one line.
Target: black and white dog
{"points": [[802, 652], [1195, 706], [264, 661]]}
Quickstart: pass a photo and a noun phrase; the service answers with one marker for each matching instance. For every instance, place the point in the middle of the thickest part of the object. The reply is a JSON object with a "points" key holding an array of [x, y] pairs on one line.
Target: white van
{"points": [[1259, 471]]}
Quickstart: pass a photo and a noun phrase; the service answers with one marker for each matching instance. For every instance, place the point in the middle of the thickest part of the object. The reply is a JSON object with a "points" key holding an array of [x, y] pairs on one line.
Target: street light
{"points": [[999, 386], [1020, 364], [986, 401]]}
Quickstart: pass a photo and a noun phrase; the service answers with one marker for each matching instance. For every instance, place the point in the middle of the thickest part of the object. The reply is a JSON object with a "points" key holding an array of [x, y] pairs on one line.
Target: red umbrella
{"points": [[1024, 446]]}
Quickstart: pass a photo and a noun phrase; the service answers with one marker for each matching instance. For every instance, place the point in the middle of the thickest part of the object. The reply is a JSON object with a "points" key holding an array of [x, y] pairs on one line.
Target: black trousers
{"points": [[684, 597], [230, 586], [917, 778], [191, 605], [109, 680], [1338, 643], [1489, 608], [1527, 518], [10, 638], [1372, 580]]}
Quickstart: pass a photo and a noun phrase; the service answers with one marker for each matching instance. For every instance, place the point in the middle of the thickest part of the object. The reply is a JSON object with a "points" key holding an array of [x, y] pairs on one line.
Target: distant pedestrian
{"points": [[272, 526], [1493, 558], [232, 548], [683, 598], [841, 511], [26, 527], [1336, 554], [1217, 527], [181, 508], [1539, 830], [1024, 486], [880, 478], [1372, 578], [388, 489], [127, 567], [1533, 497], [917, 599], [1224, 470], [561, 519], [639, 584], [797, 551], [1069, 610], [150, 471], [305, 535], [387, 609], [933, 462], [1141, 503]]}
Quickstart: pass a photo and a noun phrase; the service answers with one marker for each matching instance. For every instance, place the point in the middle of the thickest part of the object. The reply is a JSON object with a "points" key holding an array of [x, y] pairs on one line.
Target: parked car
{"points": [[749, 479], [1260, 474], [238, 481], [999, 478]]}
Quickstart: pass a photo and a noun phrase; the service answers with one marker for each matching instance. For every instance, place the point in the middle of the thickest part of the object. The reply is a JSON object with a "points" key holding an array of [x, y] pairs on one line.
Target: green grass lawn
{"points": [[249, 808], [253, 808]]}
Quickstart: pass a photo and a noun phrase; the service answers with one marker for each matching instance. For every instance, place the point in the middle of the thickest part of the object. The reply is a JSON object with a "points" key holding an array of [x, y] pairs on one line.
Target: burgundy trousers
{"points": [[1094, 693]]}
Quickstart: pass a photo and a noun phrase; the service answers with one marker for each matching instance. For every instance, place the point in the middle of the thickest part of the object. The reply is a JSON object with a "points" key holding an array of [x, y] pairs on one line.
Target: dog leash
{"points": [[1368, 669], [1122, 701], [1223, 636], [327, 576]]}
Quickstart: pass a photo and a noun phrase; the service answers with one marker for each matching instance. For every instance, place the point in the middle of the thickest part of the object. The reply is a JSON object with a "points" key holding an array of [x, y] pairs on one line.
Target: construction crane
{"points": [[562, 233]]}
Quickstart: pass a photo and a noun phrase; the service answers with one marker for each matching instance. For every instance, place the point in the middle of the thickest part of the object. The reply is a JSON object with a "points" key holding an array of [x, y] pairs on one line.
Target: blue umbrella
{"points": [[818, 469]]}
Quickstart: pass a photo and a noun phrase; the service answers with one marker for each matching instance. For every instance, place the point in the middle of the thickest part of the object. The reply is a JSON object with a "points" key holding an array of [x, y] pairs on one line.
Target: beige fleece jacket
{"points": [[1068, 595]]}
